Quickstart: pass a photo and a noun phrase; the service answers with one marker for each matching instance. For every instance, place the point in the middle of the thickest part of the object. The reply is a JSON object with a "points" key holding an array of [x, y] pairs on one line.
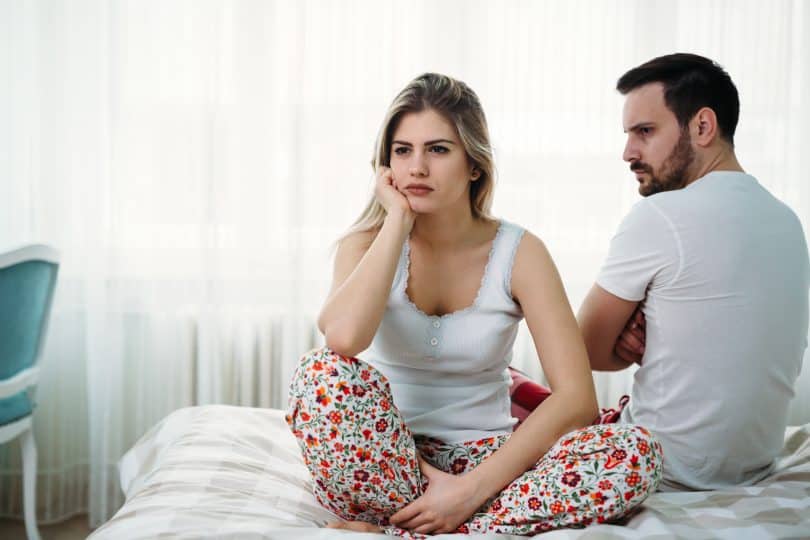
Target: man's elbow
{"points": [[607, 362]]}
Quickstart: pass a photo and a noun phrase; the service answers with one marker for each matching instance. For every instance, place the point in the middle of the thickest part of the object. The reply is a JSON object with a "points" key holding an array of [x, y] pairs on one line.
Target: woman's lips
{"points": [[418, 190]]}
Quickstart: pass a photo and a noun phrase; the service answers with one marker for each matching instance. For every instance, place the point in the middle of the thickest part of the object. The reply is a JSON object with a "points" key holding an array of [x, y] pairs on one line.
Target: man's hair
{"points": [[691, 82]]}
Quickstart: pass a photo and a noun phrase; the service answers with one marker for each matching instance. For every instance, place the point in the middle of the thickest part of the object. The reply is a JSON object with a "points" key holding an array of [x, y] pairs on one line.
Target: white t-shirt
{"points": [[722, 269]]}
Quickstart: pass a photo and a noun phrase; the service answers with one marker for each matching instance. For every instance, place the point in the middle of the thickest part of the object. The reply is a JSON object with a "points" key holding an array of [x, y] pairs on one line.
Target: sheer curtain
{"points": [[194, 161]]}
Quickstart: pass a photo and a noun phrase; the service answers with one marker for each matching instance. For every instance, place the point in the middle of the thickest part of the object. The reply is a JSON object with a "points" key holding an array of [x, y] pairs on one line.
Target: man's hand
{"points": [[630, 344], [447, 503]]}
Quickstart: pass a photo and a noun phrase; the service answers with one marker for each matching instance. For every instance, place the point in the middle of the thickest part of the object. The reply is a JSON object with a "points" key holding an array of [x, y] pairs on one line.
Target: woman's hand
{"points": [[447, 503], [389, 196]]}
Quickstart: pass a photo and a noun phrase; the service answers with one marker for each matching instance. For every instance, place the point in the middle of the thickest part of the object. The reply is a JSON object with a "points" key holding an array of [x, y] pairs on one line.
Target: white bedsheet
{"points": [[233, 472]]}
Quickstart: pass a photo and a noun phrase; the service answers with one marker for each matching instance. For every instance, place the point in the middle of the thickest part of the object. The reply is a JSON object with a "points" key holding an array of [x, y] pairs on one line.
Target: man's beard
{"points": [[673, 173]]}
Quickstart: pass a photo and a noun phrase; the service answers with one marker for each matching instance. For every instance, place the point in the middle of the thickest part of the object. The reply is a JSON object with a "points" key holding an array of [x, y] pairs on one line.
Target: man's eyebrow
{"points": [[427, 143], [636, 127]]}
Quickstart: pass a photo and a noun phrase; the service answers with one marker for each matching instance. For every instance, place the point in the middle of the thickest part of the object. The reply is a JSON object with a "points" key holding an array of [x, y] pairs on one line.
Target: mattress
{"points": [[227, 472]]}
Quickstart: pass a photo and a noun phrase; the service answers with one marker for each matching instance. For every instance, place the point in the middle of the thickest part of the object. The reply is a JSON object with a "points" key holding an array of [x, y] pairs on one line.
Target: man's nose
{"points": [[631, 152]]}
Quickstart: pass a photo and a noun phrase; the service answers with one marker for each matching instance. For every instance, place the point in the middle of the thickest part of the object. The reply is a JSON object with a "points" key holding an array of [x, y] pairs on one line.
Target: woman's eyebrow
{"points": [[427, 143]]}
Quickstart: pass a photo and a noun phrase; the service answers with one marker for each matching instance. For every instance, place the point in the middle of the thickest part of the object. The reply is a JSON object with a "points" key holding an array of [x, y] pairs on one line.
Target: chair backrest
{"points": [[27, 282]]}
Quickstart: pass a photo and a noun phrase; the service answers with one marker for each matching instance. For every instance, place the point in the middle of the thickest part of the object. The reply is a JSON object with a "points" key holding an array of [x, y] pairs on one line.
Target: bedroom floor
{"points": [[74, 528]]}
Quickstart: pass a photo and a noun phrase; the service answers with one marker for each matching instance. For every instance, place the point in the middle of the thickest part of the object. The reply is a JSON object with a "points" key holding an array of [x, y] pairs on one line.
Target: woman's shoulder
{"points": [[530, 252]]}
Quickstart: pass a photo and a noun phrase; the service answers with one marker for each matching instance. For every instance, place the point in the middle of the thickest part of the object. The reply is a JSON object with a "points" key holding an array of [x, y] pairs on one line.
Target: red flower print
{"points": [[355, 508], [384, 405], [459, 465], [335, 417], [643, 447], [311, 441], [358, 391], [561, 455], [633, 479], [619, 454], [339, 447], [305, 417], [463, 529], [317, 366], [606, 434], [381, 425], [629, 495], [343, 386], [392, 496], [496, 505], [571, 479], [365, 375], [333, 433], [402, 460], [376, 480], [367, 434], [333, 372], [587, 436], [598, 497], [634, 462], [321, 397], [361, 475], [534, 503], [363, 454], [325, 464], [524, 488], [605, 484], [556, 507]]}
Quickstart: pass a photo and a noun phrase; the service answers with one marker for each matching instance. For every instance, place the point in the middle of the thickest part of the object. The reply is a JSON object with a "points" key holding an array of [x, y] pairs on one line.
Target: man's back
{"points": [[722, 269]]}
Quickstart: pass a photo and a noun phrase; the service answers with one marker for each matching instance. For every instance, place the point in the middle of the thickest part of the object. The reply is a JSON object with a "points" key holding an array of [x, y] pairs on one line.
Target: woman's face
{"points": [[429, 163]]}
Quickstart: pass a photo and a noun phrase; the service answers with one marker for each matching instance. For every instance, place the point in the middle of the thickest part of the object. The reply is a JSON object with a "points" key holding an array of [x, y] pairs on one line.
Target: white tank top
{"points": [[448, 373]]}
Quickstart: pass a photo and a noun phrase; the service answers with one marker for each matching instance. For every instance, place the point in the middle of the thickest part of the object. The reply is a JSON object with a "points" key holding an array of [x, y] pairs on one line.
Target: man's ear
{"points": [[703, 127]]}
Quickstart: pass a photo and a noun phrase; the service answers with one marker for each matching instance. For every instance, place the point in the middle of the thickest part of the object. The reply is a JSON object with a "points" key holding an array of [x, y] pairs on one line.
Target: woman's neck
{"points": [[447, 230]]}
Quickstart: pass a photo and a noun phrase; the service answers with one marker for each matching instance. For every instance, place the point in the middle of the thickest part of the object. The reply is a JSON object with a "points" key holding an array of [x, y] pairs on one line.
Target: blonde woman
{"points": [[404, 418]]}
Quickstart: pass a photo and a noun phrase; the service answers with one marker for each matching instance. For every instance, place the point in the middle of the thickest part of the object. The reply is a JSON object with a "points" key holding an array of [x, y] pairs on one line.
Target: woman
{"points": [[415, 435]]}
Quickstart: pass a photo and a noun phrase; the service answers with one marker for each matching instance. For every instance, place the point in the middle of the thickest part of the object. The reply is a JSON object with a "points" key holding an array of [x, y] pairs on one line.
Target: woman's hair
{"points": [[457, 103]]}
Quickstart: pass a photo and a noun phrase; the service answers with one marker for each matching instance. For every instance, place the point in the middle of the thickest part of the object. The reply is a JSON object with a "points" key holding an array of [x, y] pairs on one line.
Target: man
{"points": [[705, 284]]}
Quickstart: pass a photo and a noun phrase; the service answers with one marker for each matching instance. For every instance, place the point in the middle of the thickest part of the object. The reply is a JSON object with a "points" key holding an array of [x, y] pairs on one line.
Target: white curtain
{"points": [[194, 160]]}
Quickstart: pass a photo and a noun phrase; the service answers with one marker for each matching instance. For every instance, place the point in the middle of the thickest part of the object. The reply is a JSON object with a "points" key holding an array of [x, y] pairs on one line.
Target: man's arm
{"points": [[603, 319]]}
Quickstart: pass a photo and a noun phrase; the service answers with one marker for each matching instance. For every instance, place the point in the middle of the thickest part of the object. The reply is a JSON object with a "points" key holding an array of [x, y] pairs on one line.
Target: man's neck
{"points": [[720, 159]]}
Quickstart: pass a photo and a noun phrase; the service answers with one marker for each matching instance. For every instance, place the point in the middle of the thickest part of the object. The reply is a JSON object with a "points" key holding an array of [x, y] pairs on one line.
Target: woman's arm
{"points": [[536, 285], [365, 265]]}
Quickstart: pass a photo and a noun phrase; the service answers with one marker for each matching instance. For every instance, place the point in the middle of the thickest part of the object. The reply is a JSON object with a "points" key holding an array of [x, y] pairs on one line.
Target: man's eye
{"points": [[645, 130], [401, 150], [437, 149]]}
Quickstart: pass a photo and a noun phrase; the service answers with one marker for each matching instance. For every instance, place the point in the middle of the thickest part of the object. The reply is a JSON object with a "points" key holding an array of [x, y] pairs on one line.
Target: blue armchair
{"points": [[27, 282]]}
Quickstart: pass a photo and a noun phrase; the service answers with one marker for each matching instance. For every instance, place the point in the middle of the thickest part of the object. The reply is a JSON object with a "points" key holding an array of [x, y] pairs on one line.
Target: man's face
{"points": [[658, 150]]}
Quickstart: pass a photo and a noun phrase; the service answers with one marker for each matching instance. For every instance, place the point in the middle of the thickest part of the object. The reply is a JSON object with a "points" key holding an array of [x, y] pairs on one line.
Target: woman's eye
{"points": [[401, 150], [439, 149]]}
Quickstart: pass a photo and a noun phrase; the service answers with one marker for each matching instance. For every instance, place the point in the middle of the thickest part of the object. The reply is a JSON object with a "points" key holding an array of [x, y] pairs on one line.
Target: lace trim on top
{"points": [[458, 312]]}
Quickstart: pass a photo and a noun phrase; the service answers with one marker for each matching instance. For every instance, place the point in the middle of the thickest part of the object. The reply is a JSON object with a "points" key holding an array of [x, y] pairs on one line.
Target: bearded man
{"points": [[705, 285]]}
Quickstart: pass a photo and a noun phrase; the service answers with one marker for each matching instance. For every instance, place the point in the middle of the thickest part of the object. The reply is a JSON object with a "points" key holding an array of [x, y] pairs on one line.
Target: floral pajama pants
{"points": [[363, 458]]}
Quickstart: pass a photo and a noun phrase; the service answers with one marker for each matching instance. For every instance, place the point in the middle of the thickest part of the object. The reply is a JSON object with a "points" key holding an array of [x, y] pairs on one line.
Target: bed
{"points": [[227, 472]]}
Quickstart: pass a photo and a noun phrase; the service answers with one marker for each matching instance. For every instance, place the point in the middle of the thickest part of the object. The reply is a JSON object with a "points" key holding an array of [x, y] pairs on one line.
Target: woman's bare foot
{"points": [[357, 526]]}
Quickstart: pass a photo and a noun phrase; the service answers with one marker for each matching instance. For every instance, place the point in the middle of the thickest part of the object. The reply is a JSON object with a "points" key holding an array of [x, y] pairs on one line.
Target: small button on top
{"points": [[434, 342], [436, 324]]}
